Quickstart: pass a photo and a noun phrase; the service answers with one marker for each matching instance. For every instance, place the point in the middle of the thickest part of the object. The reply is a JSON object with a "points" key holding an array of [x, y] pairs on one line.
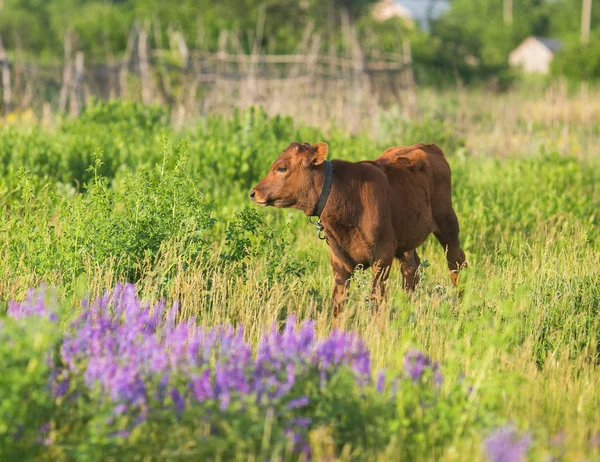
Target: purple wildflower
{"points": [[505, 445], [178, 401], [416, 363], [201, 386], [438, 378], [119, 409], [380, 384], [301, 421], [298, 402], [135, 355], [394, 387], [60, 388], [295, 437], [33, 305], [44, 435], [224, 400]]}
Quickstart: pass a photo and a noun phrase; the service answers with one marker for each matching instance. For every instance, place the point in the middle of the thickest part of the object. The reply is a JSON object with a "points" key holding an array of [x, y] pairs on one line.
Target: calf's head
{"points": [[290, 181]]}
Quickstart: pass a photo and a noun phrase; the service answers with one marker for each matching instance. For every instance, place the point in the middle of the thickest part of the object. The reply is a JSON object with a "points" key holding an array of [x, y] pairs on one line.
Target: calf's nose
{"points": [[252, 194]]}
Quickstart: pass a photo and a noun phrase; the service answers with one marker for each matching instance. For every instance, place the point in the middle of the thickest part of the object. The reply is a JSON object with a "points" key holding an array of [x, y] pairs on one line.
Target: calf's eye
{"points": [[281, 170]]}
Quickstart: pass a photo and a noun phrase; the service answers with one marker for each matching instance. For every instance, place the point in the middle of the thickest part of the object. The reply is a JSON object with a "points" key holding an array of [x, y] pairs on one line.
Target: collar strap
{"points": [[325, 191]]}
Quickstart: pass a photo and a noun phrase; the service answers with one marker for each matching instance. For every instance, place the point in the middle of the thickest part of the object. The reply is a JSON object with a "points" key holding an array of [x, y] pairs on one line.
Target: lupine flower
{"points": [[301, 421], [178, 400], [298, 402], [416, 363], [121, 346], [135, 356], [380, 381], [394, 387], [201, 386], [44, 437], [60, 387], [505, 445], [119, 409], [34, 304]]}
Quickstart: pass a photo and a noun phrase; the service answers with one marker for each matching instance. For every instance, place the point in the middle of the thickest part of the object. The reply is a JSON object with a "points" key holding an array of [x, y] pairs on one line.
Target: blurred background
{"points": [[334, 62]]}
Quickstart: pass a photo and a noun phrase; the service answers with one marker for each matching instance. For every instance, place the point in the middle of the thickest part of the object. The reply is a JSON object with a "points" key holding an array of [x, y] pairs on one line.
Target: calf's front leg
{"points": [[381, 272], [342, 274]]}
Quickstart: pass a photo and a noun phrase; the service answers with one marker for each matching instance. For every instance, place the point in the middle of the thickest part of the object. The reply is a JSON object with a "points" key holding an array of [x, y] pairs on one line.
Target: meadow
{"points": [[119, 195]]}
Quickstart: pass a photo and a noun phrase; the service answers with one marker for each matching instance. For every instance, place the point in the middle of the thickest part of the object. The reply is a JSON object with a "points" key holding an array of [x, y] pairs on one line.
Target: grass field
{"points": [[119, 195]]}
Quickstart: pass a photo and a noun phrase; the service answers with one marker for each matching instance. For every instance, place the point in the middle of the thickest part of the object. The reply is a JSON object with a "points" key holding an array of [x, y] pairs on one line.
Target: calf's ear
{"points": [[318, 153]]}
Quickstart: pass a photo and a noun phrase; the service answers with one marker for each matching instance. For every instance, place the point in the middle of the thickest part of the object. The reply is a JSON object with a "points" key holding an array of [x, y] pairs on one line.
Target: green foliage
{"points": [[127, 225], [560, 193], [103, 27], [579, 62], [249, 238], [241, 148], [26, 404], [120, 116], [427, 130], [131, 223], [66, 154]]}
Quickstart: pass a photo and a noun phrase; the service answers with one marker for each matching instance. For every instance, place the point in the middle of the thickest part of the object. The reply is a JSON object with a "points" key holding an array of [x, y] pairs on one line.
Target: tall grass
{"points": [[526, 332]]}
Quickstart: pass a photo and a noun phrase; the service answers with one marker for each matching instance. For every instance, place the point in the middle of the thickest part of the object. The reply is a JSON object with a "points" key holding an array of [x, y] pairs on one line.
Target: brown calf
{"points": [[371, 211]]}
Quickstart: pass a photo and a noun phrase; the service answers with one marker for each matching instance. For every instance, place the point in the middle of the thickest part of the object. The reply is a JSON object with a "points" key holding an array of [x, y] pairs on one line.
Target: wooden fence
{"points": [[194, 81]]}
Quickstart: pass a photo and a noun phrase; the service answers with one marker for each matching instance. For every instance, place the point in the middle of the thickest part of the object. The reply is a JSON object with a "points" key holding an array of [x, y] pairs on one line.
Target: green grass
{"points": [[526, 332]]}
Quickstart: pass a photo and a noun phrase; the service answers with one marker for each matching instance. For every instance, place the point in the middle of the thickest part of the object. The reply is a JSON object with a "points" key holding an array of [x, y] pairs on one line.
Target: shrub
{"points": [[577, 61], [248, 237], [150, 208], [128, 225]]}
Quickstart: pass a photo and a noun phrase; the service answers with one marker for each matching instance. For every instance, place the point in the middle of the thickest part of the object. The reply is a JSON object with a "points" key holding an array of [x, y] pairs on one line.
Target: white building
{"points": [[534, 54], [413, 11], [387, 9]]}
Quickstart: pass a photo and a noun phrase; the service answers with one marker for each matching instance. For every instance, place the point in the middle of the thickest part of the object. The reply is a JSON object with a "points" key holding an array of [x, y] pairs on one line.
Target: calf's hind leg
{"points": [[447, 235], [409, 265]]}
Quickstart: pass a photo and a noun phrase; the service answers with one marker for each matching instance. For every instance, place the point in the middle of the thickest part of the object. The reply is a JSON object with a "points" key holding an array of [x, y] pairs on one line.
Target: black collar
{"points": [[325, 191]]}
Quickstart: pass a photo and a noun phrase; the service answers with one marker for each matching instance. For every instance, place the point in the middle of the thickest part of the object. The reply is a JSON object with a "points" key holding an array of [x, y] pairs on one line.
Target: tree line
{"points": [[471, 40]]}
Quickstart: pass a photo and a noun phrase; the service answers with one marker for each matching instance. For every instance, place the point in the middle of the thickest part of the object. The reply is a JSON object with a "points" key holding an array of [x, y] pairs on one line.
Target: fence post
{"points": [[110, 60], [178, 41], [144, 66], [67, 72], [76, 98], [164, 82], [6, 89], [125, 63], [360, 78], [409, 77], [251, 81]]}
